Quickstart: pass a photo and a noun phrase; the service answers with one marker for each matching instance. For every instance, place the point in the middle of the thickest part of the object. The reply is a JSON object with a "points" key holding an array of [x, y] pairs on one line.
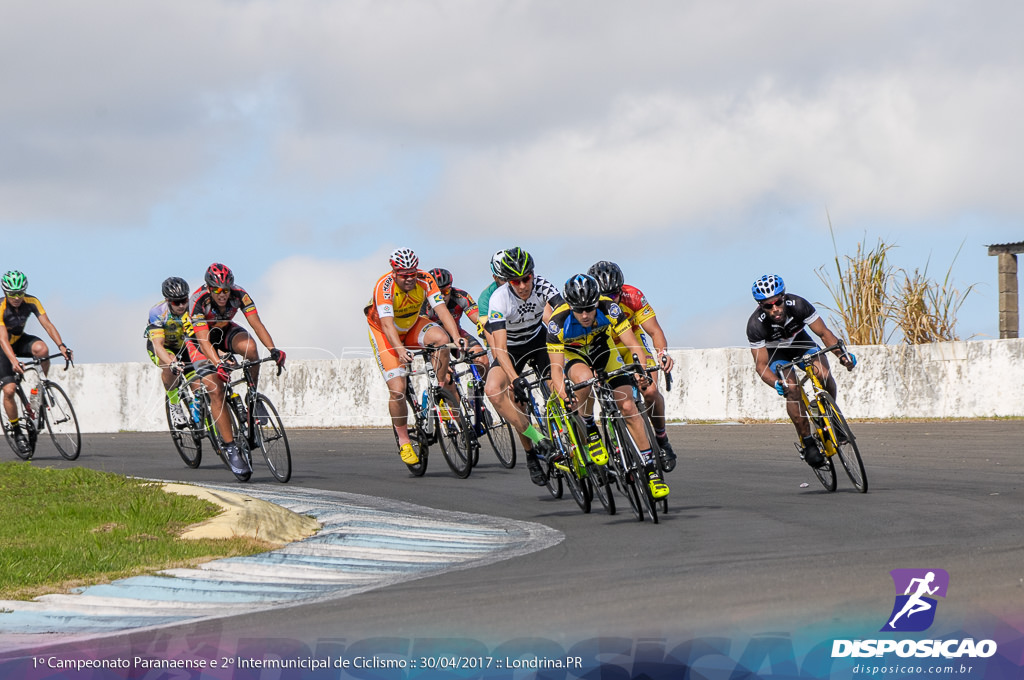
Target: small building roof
{"points": [[1012, 248]]}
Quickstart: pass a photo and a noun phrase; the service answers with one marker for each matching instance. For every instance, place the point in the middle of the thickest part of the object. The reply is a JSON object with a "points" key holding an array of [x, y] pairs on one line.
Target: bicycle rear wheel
{"points": [[272, 439], [618, 458], [188, 441], [453, 434], [656, 457], [637, 474], [502, 439], [240, 437], [28, 428], [60, 420], [846, 444]]}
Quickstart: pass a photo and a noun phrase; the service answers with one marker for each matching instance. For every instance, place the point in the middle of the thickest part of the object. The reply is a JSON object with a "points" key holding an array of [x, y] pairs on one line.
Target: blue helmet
{"points": [[768, 286]]}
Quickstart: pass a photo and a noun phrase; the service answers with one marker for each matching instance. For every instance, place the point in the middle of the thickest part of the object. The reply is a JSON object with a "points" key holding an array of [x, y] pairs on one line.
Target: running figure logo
{"points": [[914, 610]]}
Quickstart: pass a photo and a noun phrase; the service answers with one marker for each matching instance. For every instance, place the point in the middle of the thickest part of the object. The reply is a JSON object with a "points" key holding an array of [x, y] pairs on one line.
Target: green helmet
{"points": [[14, 282], [515, 263]]}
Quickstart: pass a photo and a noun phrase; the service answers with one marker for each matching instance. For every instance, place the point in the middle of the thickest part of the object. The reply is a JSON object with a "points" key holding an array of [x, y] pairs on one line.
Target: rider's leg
{"points": [[497, 390], [218, 407], [241, 343], [398, 408]]}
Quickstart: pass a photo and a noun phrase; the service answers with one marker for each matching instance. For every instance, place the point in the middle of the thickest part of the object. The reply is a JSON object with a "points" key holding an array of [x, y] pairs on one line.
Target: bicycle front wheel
{"points": [[61, 421], [187, 440], [272, 439], [453, 434], [846, 444]]}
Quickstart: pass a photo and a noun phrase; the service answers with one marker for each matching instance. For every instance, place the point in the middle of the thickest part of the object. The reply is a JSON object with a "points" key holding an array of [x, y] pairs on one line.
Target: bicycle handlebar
{"points": [[800, 362], [36, 361]]}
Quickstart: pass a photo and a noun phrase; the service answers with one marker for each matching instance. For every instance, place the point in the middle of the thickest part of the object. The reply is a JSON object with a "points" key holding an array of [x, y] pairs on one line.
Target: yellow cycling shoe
{"points": [[408, 454], [595, 447], [659, 489]]}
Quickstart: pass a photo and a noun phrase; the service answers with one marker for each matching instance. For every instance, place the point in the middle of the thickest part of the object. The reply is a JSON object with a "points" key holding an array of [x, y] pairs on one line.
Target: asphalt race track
{"points": [[744, 550]]}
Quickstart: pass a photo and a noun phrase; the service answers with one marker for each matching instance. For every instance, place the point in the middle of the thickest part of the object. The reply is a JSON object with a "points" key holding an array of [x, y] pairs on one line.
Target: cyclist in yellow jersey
{"points": [[583, 332], [15, 310], [645, 324], [396, 326]]}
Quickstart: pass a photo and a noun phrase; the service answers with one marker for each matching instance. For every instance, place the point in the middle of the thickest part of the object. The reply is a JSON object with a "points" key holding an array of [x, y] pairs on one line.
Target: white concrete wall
{"points": [[942, 380]]}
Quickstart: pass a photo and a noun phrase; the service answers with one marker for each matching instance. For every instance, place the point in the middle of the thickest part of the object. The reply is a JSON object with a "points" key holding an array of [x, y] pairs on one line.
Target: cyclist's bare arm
{"points": [[165, 357], [51, 330], [205, 346], [256, 323], [629, 339], [761, 357], [387, 326], [654, 329], [499, 347], [448, 322]]}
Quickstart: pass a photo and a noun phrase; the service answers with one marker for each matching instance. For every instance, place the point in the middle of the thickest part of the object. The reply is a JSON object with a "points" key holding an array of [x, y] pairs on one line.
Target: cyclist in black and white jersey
{"points": [[518, 336], [777, 335]]}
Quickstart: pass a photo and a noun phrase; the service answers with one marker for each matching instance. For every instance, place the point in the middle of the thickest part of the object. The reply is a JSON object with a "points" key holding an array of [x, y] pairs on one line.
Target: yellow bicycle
{"points": [[828, 425], [570, 460]]}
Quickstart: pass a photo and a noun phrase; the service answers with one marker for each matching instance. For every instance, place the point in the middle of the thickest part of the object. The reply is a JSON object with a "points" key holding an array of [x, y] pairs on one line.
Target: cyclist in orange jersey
{"points": [[396, 326]]}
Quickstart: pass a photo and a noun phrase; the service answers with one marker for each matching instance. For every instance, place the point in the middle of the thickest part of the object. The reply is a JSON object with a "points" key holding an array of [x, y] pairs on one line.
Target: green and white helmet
{"points": [[515, 263], [14, 282]]}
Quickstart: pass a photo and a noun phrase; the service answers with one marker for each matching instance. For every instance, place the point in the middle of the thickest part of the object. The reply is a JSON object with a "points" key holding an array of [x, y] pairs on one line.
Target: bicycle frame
{"points": [[811, 388]]}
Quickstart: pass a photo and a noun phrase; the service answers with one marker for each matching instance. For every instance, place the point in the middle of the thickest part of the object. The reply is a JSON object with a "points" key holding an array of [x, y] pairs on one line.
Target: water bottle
{"points": [[33, 399], [424, 405], [196, 415]]}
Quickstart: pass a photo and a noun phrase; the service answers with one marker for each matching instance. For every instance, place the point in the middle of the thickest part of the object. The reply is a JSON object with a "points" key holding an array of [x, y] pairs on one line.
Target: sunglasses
{"points": [[183, 301], [584, 310], [220, 291], [446, 291], [16, 295], [409, 274], [768, 304], [521, 280]]}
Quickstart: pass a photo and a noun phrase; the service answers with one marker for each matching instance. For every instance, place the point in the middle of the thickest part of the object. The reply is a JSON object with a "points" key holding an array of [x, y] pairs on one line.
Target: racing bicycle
{"points": [[257, 421], [439, 418], [468, 382], [47, 406], [829, 427]]}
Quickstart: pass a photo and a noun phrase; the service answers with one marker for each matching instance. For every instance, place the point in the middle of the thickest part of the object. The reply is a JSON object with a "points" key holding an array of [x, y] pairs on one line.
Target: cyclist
{"points": [[516, 327], [169, 326], [211, 309], [396, 326], [15, 310], [484, 300], [777, 335], [583, 335], [637, 309], [458, 302]]}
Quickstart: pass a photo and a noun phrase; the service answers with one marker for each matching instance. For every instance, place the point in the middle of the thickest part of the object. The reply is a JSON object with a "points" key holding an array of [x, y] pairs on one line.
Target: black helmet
{"points": [[175, 288], [608, 275], [442, 276], [581, 292], [515, 264]]}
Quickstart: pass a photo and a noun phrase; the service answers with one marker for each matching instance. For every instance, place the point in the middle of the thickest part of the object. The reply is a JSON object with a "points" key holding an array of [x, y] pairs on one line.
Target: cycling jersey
{"points": [[173, 328], [521, 319], [204, 312], [390, 300], [15, 318], [596, 346], [483, 301], [635, 307], [460, 303], [762, 331]]}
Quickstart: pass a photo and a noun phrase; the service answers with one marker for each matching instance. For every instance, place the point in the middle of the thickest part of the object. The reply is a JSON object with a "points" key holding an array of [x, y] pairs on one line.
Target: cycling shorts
{"points": [[603, 359], [533, 353], [22, 348], [387, 360], [221, 337]]}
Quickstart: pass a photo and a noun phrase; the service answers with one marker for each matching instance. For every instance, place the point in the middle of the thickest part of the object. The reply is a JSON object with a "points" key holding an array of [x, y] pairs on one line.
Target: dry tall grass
{"points": [[868, 312], [927, 310], [861, 293]]}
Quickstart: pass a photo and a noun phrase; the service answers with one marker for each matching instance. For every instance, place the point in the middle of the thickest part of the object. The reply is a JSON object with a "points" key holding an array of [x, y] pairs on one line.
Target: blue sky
{"points": [[698, 144]]}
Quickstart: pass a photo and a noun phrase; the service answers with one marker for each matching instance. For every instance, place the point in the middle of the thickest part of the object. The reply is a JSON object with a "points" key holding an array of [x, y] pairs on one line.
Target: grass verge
{"points": [[66, 528]]}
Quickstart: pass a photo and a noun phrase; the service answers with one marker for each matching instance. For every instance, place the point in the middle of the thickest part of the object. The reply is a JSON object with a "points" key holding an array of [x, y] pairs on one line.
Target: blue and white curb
{"points": [[365, 543]]}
